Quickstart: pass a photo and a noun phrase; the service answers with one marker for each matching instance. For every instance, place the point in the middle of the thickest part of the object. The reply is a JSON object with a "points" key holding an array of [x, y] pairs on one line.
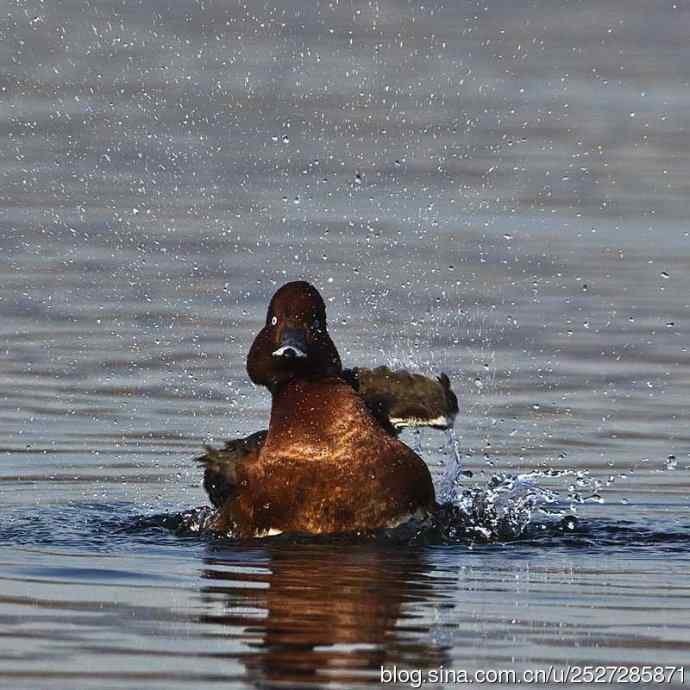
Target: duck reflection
{"points": [[319, 613]]}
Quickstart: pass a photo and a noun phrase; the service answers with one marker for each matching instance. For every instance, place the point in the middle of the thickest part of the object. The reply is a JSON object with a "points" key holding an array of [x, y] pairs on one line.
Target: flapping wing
{"points": [[220, 474], [403, 399]]}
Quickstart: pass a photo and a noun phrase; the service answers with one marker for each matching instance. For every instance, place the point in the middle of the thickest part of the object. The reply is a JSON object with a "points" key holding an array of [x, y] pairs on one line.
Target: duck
{"points": [[331, 461]]}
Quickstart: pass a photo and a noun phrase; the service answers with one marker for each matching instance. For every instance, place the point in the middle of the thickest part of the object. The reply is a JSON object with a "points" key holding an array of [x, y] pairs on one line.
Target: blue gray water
{"points": [[495, 190]]}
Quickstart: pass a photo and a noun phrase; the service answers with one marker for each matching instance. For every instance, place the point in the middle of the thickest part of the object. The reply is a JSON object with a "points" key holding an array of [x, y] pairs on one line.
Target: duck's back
{"points": [[327, 466]]}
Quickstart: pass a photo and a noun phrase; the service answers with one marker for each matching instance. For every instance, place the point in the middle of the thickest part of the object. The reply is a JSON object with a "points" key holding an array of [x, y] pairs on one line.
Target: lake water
{"points": [[495, 190]]}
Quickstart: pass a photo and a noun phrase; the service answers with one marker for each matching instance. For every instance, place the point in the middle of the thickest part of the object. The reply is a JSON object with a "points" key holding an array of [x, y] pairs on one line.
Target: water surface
{"points": [[497, 191]]}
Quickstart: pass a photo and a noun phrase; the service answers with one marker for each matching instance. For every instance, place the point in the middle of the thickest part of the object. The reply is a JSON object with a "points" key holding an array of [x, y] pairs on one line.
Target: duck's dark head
{"points": [[294, 343]]}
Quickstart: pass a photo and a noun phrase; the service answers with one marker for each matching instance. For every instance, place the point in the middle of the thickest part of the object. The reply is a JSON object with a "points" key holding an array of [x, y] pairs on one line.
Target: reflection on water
{"points": [[313, 617], [496, 191], [296, 613]]}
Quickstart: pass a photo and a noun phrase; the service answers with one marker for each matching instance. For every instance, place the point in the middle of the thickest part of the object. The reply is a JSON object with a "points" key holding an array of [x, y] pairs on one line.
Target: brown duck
{"points": [[330, 461]]}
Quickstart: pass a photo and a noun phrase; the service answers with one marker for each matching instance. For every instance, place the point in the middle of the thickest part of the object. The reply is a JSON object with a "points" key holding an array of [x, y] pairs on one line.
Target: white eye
{"points": [[274, 321]]}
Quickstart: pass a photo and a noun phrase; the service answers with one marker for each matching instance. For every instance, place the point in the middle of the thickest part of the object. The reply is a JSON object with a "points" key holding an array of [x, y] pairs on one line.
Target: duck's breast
{"points": [[328, 466]]}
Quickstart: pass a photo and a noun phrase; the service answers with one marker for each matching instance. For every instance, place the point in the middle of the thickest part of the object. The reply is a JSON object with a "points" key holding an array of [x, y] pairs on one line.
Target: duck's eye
{"points": [[317, 325], [274, 321]]}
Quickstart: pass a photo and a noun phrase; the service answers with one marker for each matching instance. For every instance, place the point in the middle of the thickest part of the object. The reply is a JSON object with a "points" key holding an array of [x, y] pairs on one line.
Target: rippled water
{"points": [[498, 191]]}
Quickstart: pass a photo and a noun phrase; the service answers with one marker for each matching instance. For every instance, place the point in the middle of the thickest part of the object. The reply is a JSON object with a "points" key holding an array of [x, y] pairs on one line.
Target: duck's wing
{"points": [[220, 474], [402, 399]]}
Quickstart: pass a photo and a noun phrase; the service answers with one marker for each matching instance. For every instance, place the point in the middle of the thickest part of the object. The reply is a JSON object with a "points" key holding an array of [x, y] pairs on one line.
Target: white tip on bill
{"points": [[288, 351]]}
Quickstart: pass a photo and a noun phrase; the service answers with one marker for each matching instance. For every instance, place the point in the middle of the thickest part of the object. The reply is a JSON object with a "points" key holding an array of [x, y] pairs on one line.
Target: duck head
{"points": [[294, 343]]}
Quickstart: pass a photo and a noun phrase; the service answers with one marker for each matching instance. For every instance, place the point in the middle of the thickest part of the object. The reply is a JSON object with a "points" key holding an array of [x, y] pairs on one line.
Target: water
{"points": [[497, 191]]}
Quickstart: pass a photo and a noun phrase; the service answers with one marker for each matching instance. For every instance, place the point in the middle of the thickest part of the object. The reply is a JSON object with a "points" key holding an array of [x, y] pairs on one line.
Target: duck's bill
{"points": [[292, 345]]}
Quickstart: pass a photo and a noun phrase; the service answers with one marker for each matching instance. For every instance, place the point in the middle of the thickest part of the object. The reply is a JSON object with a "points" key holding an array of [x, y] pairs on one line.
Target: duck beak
{"points": [[293, 344]]}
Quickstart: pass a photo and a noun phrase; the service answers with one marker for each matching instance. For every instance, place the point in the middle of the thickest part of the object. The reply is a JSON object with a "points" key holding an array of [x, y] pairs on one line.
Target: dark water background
{"points": [[497, 190]]}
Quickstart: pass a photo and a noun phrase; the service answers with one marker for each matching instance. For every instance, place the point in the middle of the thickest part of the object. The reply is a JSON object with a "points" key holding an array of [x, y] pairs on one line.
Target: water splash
{"points": [[500, 509], [507, 504], [509, 510]]}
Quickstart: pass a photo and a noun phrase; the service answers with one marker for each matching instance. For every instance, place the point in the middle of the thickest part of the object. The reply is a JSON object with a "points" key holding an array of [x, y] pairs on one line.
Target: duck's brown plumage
{"points": [[220, 473], [326, 463], [326, 466]]}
